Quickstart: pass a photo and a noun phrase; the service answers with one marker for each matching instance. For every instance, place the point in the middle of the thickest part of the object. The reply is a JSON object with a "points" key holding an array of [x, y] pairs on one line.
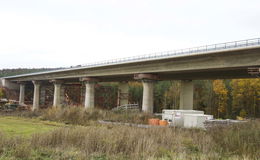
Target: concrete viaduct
{"points": [[219, 61]]}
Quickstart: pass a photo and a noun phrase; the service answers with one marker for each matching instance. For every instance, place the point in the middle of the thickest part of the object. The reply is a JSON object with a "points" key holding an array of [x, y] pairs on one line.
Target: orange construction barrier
{"points": [[163, 123], [153, 121]]}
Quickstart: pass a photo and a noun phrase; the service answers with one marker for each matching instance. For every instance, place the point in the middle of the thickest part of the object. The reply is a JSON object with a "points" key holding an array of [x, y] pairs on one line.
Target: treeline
{"points": [[12, 72], [221, 98]]}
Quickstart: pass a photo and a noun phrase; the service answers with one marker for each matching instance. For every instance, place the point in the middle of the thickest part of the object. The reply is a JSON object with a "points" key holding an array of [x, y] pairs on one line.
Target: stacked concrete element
{"points": [[186, 118], [176, 117], [196, 120]]}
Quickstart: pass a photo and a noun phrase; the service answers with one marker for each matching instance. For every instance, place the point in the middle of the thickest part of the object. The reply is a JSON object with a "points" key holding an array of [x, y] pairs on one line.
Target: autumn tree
{"points": [[245, 94], [221, 93], [204, 96]]}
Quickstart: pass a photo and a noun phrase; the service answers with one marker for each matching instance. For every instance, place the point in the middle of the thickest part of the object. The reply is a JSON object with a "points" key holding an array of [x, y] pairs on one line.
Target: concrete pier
{"points": [[22, 92], [123, 89], [186, 95], [148, 87], [148, 81], [36, 95], [90, 92], [57, 93]]}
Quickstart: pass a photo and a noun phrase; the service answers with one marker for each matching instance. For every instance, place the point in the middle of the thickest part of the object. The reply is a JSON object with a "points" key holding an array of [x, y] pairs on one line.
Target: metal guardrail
{"points": [[181, 52], [127, 107]]}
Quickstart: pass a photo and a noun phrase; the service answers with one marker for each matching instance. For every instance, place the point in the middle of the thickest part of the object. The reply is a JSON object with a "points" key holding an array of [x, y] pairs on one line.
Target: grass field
{"points": [[25, 138], [18, 126]]}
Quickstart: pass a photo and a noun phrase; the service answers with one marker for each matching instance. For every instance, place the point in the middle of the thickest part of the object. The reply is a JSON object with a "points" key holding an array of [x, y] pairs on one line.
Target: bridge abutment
{"points": [[186, 95]]}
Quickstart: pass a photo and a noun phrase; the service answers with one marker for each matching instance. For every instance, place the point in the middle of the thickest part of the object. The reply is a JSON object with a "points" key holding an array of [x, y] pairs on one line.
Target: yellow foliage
{"points": [[245, 92], [222, 94]]}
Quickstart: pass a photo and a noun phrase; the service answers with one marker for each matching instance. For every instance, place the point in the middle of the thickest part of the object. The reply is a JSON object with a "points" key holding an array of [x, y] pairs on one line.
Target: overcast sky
{"points": [[63, 33]]}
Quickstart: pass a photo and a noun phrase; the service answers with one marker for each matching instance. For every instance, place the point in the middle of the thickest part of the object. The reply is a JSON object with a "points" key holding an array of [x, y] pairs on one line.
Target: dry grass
{"points": [[102, 142], [122, 142], [80, 116], [132, 143]]}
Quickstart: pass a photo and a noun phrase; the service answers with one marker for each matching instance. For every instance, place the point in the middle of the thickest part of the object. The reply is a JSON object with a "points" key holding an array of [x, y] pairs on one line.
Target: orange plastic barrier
{"points": [[163, 123], [153, 121]]}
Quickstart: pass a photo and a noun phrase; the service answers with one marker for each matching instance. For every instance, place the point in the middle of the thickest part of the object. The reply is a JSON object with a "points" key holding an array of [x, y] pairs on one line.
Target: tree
{"points": [[204, 96], [221, 93], [245, 94], [172, 96], [135, 92]]}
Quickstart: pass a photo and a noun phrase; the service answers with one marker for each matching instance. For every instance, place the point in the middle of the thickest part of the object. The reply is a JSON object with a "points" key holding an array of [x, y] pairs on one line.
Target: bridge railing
{"points": [[181, 52]]}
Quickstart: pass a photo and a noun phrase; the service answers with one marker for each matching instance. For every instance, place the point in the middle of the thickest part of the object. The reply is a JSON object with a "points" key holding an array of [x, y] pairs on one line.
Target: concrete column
{"points": [[57, 99], [123, 93], [90, 94], [89, 91], [57, 94], [22, 92], [36, 95], [186, 95], [148, 86], [148, 81]]}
